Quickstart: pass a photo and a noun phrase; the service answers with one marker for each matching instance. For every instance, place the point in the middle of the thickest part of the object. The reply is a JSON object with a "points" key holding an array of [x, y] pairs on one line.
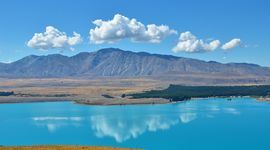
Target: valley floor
{"points": [[104, 91]]}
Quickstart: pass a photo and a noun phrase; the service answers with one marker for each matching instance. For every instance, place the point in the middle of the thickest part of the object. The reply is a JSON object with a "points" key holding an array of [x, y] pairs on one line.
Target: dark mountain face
{"points": [[116, 62]]}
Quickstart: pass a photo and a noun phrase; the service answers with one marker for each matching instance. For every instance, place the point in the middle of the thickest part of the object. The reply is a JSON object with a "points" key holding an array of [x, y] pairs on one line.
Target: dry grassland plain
{"points": [[94, 90], [87, 91]]}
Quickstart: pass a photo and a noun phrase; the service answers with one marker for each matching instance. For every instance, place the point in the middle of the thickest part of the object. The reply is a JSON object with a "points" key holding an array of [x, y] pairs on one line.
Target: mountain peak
{"points": [[108, 50]]}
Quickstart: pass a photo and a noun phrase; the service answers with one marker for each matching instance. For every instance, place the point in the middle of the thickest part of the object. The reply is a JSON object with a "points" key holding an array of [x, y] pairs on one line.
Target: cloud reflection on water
{"points": [[232, 111], [54, 123], [187, 117], [56, 118], [126, 125], [122, 129]]}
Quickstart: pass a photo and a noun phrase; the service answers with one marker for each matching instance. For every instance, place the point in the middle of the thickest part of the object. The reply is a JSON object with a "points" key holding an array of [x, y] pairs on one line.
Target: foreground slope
{"points": [[60, 148]]}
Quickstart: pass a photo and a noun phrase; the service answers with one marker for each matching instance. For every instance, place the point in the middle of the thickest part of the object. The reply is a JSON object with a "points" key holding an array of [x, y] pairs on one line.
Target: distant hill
{"points": [[116, 62]]}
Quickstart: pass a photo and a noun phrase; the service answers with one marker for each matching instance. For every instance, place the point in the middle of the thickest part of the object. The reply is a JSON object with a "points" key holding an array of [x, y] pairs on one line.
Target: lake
{"points": [[208, 124]]}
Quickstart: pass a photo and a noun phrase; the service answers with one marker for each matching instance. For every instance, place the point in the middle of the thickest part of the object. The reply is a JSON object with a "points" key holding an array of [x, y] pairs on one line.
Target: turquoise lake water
{"points": [[212, 124]]}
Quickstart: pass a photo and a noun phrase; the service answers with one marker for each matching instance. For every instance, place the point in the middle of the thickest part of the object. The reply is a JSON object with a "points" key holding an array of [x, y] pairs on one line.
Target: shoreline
{"points": [[263, 99], [109, 102], [14, 100], [95, 101]]}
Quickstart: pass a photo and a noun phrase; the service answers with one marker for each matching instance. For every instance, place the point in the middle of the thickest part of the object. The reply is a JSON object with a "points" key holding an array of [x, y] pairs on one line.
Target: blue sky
{"points": [[248, 20]]}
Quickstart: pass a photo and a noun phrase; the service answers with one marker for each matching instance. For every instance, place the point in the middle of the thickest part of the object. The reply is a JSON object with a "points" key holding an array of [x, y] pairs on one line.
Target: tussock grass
{"points": [[60, 147]]}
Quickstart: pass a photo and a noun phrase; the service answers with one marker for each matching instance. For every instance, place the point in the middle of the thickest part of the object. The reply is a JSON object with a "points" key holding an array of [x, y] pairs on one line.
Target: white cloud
{"points": [[121, 27], [189, 43], [231, 44], [52, 38]]}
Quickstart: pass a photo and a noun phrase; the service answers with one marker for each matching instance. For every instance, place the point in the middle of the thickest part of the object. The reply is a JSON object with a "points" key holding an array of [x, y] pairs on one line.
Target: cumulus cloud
{"points": [[191, 44], [231, 44], [121, 27], [52, 38]]}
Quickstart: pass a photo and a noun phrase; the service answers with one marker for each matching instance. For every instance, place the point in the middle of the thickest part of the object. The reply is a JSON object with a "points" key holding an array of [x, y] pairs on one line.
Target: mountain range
{"points": [[120, 63]]}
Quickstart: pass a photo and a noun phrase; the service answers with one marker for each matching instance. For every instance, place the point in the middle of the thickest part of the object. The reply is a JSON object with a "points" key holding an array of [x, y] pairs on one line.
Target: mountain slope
{"points": [[116, 62]]}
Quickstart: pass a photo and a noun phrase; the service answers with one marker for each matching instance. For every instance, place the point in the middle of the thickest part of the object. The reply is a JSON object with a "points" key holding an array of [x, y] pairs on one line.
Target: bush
{"points": [[6, 93]]}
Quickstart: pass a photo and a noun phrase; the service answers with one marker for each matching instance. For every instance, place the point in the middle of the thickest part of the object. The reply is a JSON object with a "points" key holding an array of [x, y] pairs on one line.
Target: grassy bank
{"points": [[60, 148]]}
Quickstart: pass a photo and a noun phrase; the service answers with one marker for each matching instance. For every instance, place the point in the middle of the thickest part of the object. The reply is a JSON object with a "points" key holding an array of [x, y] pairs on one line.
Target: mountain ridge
{"points": [[117, 62], [141, 52]]}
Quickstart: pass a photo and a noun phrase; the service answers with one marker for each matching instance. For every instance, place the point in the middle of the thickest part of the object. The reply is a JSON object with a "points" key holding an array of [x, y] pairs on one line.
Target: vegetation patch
{"points": [[180, 92], [43, 95], [107, 96], [6, 93]]}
